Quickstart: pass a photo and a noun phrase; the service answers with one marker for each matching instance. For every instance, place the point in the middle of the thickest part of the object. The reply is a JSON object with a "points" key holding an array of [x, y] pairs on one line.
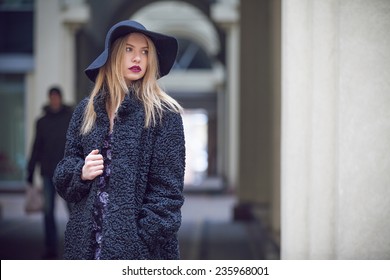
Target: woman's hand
{"points": [[93, 166]]}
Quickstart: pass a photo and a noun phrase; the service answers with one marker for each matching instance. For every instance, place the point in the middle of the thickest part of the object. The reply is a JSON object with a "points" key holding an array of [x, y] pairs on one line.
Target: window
{"points": [[16, 26], [12, 141]]}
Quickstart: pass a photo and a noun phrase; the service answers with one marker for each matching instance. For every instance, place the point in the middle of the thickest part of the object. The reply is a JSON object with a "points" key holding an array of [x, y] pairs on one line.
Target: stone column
{"points": [[54, 53], [49, 60], [74, 14], [56, 23], [226, 14], [256, 145], [335, 129]]}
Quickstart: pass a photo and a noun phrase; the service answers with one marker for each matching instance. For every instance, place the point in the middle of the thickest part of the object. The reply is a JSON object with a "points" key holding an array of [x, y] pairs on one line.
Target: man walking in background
{"points": [[47, 151]]}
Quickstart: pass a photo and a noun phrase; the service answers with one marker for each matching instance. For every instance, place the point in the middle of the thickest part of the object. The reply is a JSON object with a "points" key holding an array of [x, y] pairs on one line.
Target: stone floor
{"points": [[207, 232]]}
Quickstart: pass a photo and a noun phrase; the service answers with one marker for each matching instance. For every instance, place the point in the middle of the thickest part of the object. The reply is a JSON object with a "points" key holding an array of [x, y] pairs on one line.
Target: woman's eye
{"points": [[128, 49], [145, 52]]}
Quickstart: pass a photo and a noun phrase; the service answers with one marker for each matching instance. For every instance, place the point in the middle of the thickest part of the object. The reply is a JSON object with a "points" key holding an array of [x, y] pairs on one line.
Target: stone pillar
{"points": [[256, 146], [74, 14], [49, 60], [335, 129], [56, 23], [54, 53], [226, 14], [276, 90]]}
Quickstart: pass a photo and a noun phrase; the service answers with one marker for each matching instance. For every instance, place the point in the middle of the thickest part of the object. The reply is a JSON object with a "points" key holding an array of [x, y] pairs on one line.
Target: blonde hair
{"points": [[110, 80]]}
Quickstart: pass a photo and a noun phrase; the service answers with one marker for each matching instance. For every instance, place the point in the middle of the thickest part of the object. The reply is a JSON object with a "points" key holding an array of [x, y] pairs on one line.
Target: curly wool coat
{"points": [[145, 187]]}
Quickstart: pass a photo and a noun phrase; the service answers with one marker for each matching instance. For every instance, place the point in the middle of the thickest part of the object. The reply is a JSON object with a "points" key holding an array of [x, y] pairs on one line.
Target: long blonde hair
{"points": [[110, 80]]}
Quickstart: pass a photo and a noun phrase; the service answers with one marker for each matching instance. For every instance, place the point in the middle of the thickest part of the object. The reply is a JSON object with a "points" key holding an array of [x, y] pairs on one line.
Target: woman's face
{"points": [[135, 58]]}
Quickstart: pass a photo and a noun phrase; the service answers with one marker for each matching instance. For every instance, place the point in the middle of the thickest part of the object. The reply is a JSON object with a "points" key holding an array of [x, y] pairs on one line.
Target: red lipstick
{"points": [[135, 68]]}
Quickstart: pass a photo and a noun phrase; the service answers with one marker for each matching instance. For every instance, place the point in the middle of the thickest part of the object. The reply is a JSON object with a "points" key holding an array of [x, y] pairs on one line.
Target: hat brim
{"points": [[166, 47]]}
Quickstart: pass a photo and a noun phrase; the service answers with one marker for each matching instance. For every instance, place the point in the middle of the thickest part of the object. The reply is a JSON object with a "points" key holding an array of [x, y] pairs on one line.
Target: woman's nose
{"points": [[136, 58]]}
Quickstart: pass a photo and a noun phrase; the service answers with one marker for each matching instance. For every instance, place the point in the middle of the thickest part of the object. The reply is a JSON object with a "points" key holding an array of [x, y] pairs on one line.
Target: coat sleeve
{"points": [[160, 217], [67, 175]]}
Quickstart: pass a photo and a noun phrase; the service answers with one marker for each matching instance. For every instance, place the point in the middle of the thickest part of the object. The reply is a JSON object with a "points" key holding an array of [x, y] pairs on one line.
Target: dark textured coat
{"points": [[145, 187], [49, 142]]}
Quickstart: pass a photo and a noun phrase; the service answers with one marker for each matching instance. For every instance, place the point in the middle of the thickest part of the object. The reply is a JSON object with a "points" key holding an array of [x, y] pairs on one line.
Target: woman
{"points": [[124, 159]]}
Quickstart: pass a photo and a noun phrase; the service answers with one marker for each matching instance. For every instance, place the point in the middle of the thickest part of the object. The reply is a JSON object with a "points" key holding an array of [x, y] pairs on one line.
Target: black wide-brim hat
{"points": [[166, 47]]}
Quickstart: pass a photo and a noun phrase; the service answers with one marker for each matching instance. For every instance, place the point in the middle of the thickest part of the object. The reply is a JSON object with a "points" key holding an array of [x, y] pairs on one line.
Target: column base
{"points": [[243, 212]]}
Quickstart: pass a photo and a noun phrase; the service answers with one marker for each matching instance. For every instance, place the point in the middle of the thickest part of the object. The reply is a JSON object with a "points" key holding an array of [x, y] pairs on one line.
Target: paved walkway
{"points": [[207, 231]]}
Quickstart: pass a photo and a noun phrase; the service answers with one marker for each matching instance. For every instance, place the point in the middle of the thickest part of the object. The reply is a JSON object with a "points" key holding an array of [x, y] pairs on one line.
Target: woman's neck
{"points": [[111, 112]]}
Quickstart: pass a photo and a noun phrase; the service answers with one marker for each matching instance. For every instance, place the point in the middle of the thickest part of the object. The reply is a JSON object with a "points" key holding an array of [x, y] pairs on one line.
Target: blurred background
{"points": [[287, 118]]}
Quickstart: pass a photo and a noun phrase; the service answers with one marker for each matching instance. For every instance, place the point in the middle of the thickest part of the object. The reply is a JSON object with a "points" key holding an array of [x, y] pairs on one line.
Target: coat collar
{"points": [[129, 105]]}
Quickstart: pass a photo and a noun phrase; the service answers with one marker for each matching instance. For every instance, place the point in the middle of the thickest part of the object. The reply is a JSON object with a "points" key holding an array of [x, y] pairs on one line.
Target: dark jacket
{"points": [[145, 186], [49, 143]]}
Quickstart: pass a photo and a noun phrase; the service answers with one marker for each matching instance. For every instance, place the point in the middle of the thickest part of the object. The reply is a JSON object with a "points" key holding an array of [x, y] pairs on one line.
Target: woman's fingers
{"points": [[90, 162], [94, 155], [93, 165]]}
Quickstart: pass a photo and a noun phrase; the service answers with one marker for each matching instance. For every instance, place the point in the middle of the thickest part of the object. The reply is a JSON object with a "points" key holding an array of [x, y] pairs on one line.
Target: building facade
{"points": [[286, 103]]}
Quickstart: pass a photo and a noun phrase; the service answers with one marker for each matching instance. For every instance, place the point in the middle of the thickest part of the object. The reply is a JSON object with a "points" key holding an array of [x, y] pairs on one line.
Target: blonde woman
{"points": [[124, 160]]}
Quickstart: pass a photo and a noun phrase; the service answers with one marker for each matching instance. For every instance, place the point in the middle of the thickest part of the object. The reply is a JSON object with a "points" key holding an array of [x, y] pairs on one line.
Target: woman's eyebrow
{"points": [[131, 45]]}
